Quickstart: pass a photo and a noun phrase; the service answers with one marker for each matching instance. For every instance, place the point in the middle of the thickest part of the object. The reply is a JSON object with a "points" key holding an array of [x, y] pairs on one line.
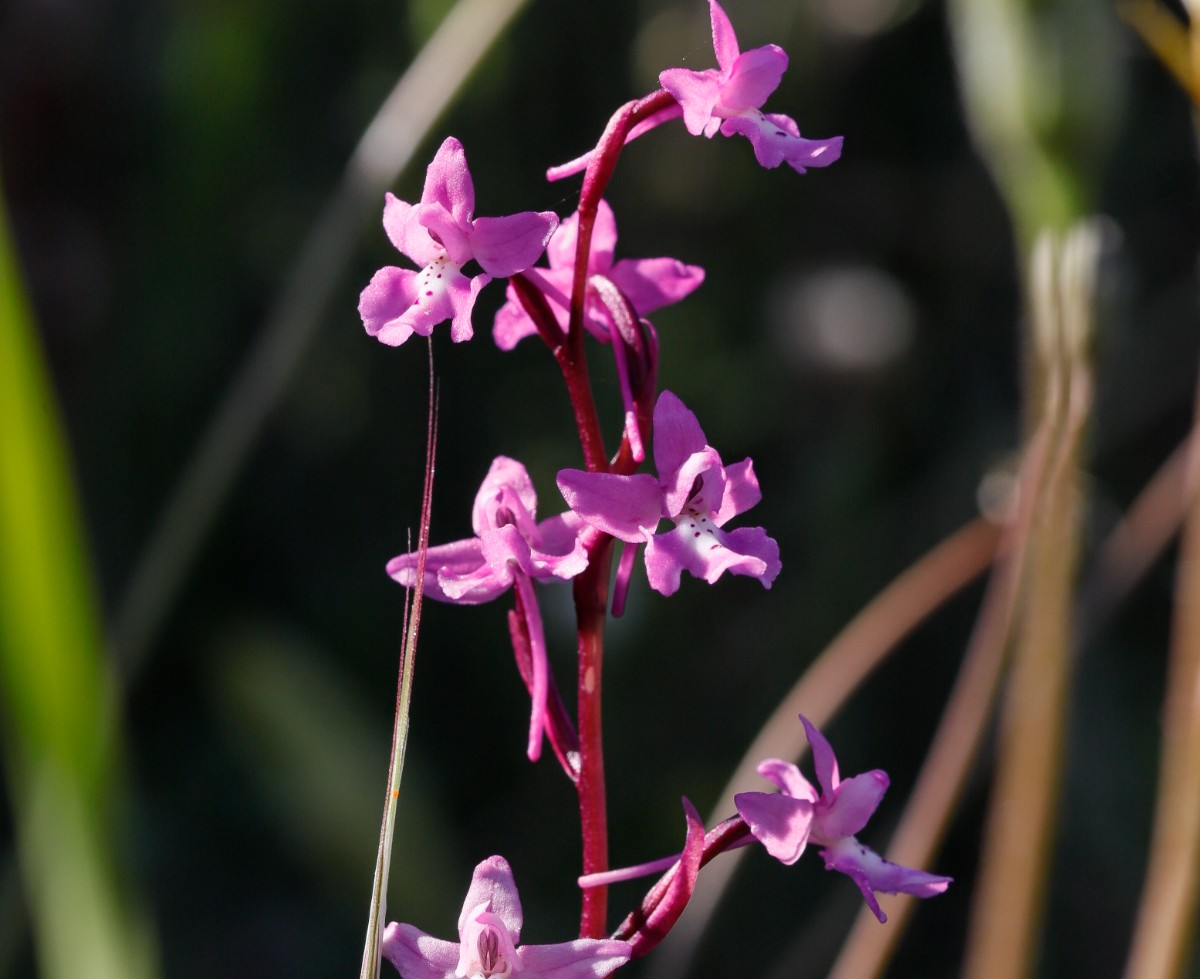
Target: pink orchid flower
{"points": [[441, 235], [695, 491], [510, 549], [787, 821], [489, 928], [730, 98], [648, 283]]}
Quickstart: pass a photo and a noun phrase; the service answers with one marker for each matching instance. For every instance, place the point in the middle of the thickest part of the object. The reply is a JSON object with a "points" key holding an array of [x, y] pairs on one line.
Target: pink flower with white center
{"points": [[441, 235], [489, 928], [695, 491], [510, 549], [787, 821], [730, 98], [648, 283]]}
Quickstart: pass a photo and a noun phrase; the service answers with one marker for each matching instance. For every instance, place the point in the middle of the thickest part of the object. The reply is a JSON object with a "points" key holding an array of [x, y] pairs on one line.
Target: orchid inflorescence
{"points": [[585, 288]]}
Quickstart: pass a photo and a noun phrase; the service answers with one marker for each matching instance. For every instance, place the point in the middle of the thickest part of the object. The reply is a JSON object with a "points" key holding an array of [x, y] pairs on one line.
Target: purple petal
{"points": [[823, 758], [871, 873], [448, 181], [459, 558], [708, 553], [386, 303], [583, 958], [780, 823], [776, 138], [652, 283], [741, 492], [474, 587], [462, 296], [492, 883], [725, 43], [754, 76], [505, 246], [417, 955], [505, 478], [698, 93], [677, 435], [854, 802], [539, 665], [788, 778], [446, 231], [628, 507], [560, 534], [406, 233]]}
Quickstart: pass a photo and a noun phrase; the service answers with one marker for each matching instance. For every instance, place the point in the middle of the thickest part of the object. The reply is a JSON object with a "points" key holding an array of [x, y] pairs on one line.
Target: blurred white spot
{"points": [[997, 493], [851, 319]]}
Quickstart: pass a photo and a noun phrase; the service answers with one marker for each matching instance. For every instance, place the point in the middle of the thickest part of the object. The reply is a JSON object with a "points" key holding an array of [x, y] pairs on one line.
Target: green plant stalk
{"points": [[61, 738]]}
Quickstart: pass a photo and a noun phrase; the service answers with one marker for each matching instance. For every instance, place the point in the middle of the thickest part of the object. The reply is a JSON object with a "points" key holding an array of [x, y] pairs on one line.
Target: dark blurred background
{"points": [[856, 335]]}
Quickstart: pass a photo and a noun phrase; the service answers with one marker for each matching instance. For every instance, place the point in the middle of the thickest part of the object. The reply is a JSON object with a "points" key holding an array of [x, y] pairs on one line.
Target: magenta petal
{"points": [[505, 476], [417, 955], [677, 434], [871, 872], [448, 181], [462, 296], [385, 305], [779, 822], [725, 43], [474, 587], [511, 325], [492, 883], [404, 230], [628, 507], [708, 556], [787, 777], [651, 283], [450, 234], [698, 93], [584, 958], [823, 757], [459, 558], [505, 246], [854, 802], [741, 492], [754, 77]]}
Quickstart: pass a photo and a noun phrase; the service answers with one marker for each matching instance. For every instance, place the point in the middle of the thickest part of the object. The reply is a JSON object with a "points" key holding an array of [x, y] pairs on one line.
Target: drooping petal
{"points": [[787, 778], [386, 304], [448, 181], [677, 435], [652, 283], [584, 958], [872, 873], [780, 823], [777, 138], [707, 553], [725, 43], [753, 77], [462, 296], [507, 245], [854, 803], [628, 507], [492, 884], [417, 955], [475, 586]]}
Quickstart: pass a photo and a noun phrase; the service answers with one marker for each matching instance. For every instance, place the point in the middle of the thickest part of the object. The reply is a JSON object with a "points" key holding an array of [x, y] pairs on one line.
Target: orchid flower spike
{"points": [[787, 821], [489, 928], [730, 98], [510, 549], [441, 235], [695, 491], [648, 283]]}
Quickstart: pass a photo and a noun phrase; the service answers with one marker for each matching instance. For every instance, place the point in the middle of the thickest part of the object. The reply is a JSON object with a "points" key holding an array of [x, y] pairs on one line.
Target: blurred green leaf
{"points": [[60, 732]]}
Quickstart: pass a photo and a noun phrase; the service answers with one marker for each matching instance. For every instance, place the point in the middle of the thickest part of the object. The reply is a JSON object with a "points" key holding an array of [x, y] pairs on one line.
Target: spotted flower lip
{"points": [[441, 234], [648, 283], [730, 97], [695, 491], [489, 930], [787, 821]]}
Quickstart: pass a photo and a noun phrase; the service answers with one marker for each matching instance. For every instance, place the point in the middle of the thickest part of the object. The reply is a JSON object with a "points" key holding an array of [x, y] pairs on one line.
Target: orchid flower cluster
{"points": [[675, 519]]}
